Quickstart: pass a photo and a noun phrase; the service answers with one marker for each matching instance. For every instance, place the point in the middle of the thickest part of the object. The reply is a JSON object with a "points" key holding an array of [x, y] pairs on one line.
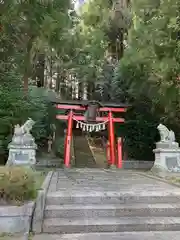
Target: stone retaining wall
{"points": [[17, 219], [135, 164]]}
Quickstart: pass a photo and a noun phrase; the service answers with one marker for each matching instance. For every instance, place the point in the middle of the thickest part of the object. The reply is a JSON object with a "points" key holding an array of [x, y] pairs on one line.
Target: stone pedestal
{"points": [[22, 151], [167, 158], [22, 156]]}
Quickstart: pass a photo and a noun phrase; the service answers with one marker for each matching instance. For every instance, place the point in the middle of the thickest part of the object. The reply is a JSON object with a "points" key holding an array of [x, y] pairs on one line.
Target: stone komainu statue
{"points": [[25, 128], [166, 134]]}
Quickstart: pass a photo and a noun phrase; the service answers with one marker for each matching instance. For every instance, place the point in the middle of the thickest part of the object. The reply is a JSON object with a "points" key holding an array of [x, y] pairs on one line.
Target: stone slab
{"points": [[135, 164], [164, 173], [106, 179], [111, 197], [111, 210], [108, 186], [174, 235], [123, 224]]}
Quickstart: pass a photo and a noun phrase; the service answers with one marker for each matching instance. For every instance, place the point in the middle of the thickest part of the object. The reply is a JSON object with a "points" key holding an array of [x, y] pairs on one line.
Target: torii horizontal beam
{"points": [[102, 109], [98, 119]]}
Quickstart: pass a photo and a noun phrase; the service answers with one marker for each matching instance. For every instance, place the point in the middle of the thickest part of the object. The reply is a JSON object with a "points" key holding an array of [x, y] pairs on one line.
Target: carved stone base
{"points": [[22, 156], [167, 160], [167, 145]]}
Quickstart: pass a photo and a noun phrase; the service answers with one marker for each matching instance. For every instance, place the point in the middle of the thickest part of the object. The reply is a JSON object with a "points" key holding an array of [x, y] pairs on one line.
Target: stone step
{"points": [[49, 163], [174, 235], [123, 224], [88, 197], [113, 210], [41, 168], [82, 152]]}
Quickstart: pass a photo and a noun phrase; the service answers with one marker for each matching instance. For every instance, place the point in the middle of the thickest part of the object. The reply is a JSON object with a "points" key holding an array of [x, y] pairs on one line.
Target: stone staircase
{"points": [[86, 211], [81, 216], [82, 152]]}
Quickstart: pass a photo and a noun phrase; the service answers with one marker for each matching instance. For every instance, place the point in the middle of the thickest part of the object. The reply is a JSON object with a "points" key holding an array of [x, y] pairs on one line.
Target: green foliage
{"points": [[28, 28], [17, 184], [39, 112], [32, 28], [147, 75], [89, 42], [139, 130], [59, 147], [14, 108], [151, 61], [96, 13]]}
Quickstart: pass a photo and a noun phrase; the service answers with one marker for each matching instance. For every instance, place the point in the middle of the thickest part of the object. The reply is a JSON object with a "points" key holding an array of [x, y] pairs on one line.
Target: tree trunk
{"points": [[27, 64], [80, 90], [51, 74], [25, 81], [63, 84], [90, 91], [40, 70], [58, 80]]}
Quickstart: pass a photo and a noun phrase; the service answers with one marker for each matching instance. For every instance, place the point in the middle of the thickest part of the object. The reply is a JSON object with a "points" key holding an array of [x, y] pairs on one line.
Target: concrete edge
{"points": [[38, 214], [47, 180], [159, 179]]}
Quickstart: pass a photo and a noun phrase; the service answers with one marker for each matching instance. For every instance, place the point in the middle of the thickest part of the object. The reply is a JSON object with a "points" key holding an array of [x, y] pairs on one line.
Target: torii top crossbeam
{"points": [[86, 102], [82, 105]]}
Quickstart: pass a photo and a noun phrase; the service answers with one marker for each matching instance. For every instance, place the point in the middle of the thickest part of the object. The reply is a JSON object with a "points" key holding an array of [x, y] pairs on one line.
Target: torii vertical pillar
{"points": [[111, 140], [67, 154], [119, 150]]}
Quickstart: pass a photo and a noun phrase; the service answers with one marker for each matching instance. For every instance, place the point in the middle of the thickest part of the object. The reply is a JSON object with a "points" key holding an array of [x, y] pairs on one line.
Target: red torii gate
{"points": [[72, 106]]}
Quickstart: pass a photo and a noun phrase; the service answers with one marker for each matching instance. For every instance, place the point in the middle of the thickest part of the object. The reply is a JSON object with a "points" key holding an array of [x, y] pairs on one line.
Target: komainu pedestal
{"points": [[167, 152], [22, 148]]}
